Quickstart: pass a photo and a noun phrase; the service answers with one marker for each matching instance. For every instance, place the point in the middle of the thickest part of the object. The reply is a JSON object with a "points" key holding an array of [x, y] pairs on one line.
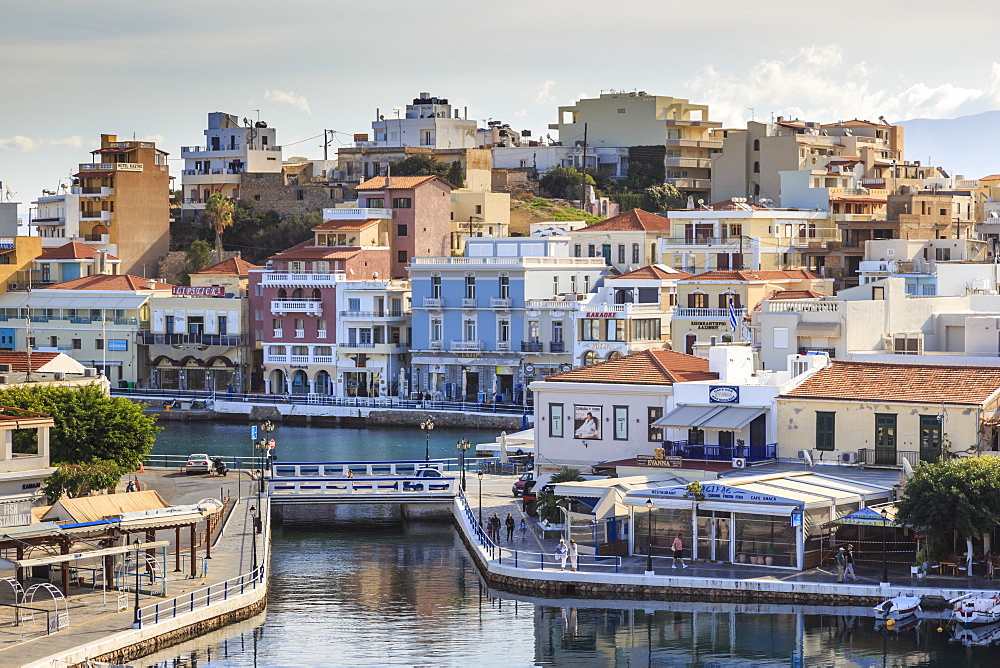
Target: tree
{"points": [[219, 210], [959, 494], [75, 480], [664, 197], [420, 165], [456, 175], [549, 505], [89, 425], [563, 182]]}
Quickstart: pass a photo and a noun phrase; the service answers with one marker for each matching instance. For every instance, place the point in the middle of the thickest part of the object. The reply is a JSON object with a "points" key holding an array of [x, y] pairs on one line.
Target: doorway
{"points": [[885, 439], [713, 541]]}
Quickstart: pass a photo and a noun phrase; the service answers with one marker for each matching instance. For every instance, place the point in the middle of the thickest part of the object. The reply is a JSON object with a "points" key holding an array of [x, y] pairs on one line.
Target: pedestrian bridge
{"points": [[393, 482]]}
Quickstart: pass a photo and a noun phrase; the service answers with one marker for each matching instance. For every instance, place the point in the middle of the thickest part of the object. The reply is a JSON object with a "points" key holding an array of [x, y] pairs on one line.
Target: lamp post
{"points": [[649, 535], [426, 426], [885, 563], [480, 474], [253, 538], [135, 618], [462, 446]]}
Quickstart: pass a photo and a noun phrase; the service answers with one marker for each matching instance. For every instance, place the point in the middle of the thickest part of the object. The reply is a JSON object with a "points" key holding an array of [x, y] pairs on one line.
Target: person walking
{"points": [[678, 548], [574, 555], [850, 564], [841, 559], [562, 552], [509, 523], [495, 521], [522, 528]]}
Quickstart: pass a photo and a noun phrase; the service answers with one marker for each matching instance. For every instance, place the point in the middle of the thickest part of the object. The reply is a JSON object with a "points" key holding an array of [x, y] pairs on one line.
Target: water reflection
{"points": [[408, 595]]}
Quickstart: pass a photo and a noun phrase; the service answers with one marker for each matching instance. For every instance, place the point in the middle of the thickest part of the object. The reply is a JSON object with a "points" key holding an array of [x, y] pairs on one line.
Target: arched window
{"points": [[300, 382], [756, 144], [298, 294], [317, 295], [322, 383], [613, 354], [277, 378], [756, 167], [282, 294], [590, 357]]}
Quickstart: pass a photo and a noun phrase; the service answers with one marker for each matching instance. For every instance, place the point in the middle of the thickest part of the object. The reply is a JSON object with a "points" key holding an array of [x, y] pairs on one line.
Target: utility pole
{"points": [[326, 144], [583, 168]]}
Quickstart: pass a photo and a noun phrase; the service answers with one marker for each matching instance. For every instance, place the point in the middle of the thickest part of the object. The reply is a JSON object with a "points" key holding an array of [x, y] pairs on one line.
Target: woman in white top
{"points": [[574, 555]]}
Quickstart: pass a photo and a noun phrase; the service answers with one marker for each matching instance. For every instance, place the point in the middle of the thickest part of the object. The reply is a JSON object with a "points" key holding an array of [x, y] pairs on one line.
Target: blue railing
{"points": [[752, 453]]}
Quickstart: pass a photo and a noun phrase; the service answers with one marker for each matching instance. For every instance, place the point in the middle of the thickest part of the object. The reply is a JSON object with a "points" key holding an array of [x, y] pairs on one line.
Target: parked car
{"points": [[428, 473], [528, 499], [518, 488], [198, 463]]}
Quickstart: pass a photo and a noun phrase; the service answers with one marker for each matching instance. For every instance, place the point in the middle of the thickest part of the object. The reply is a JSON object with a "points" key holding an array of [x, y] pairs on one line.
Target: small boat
{"points": [[987, 634], [981, 608], [897, 607]]}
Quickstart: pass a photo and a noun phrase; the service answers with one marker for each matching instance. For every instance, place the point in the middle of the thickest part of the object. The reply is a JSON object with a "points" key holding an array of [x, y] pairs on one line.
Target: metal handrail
{"points": [[198, 598]]}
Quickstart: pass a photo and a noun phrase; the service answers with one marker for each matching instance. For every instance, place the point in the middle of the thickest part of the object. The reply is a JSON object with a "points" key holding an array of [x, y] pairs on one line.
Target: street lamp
{"points": [[135, 619], [885, 564], [480, 474], [253, 537], [649, 535], [426, 426], [462, 446]]}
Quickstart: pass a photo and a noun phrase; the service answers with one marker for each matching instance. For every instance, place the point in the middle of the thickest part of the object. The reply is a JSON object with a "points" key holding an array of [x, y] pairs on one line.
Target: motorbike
{"points": [[219, 466]]}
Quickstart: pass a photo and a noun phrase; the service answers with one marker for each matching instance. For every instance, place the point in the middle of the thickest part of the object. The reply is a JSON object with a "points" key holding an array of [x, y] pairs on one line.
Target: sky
{"points": [[154, 70]]}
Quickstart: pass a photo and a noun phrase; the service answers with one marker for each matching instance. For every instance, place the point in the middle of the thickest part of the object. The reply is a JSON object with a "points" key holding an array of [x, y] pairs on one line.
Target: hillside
{"points": [[967, 145], [544, 209]]}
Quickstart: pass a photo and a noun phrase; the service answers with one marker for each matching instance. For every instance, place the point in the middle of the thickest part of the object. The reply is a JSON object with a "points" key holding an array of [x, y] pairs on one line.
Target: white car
{"points": [[198, 463]]}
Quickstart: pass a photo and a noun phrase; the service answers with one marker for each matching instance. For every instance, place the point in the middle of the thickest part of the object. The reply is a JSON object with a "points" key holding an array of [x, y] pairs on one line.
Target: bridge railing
{"points": [[180, 461], [371, 486], [525, 559], [344, 469]]}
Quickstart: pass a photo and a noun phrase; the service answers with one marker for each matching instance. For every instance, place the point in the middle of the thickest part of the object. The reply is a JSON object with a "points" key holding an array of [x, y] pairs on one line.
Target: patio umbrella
{"points": [[503, 448]]}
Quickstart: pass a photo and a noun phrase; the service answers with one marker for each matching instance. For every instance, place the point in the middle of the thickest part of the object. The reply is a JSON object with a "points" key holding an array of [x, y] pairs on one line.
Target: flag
{"points": [[734, 321]]}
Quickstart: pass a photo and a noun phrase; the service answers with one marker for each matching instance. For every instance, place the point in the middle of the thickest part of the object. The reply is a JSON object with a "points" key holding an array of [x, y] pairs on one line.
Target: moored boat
{"points": [[897, 607], [983, 608]]}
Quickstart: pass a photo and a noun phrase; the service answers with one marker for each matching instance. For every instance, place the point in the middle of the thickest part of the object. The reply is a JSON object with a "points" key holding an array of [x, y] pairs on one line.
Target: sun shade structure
{"points": [[712, 417]]}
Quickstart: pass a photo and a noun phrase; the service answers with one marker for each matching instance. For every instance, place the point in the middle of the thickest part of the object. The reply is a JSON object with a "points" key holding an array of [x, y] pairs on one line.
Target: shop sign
{"points": [[15, 514], [599, 315], [724, 394], [659, 462], [117, 345], [198, 291], [716, 492], [706, 325]]}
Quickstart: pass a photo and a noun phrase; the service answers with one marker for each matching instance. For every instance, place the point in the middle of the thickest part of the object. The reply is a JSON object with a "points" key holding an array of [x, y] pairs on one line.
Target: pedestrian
{"points": [[496, 528], [850, 564], [574, 555], [562, 552], [841, 559], [678, 547], [509, 523], [130, 487], [523, 528]]}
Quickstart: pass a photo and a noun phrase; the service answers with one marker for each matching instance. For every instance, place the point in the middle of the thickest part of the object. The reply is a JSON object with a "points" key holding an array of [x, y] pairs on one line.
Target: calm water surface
{"points": [[358, 594]]}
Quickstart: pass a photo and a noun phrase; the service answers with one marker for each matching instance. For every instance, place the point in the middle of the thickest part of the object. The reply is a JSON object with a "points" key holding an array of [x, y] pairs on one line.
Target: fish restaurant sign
{"points": [[716, 492]]}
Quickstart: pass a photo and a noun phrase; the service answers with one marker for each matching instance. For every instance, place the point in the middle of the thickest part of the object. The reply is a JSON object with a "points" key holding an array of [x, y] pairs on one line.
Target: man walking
{"points": [[841, 559], [850, 564], [509, 523], [678, 547]]}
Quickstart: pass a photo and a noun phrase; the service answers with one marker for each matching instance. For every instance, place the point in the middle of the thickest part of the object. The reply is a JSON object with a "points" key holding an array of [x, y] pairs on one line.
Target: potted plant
{"points": [[769, 554], [919, 563]]}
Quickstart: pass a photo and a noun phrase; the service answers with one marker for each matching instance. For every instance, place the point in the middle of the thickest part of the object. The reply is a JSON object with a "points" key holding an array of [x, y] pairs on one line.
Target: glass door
{"points": [[713, 539], [705, 544]]}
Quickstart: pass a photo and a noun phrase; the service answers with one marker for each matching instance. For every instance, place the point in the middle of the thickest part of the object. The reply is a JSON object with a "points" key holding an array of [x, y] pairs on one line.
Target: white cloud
{"points": [[288, 97], [543, 94], [22, 143], [521, 113], [159, 140], [816, 83]]}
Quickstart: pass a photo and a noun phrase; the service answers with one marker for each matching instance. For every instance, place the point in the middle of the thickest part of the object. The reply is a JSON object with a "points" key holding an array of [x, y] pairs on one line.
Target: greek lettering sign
{"points": [[6, 243], [128, 166], [706, 325], [198, 291], [659, 462], [724, 394], [117, 344]]}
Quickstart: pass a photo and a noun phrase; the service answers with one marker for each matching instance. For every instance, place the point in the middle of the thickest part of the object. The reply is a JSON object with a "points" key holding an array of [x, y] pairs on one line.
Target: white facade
{"points": [[428, 122], [612, 160], [57, 221]]}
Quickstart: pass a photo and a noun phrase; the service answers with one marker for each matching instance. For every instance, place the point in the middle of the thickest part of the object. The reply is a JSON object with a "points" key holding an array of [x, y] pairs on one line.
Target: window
{"points": [[321, 324], [725, 297], [437, 329], [470, 330], [885, 435], [621, 423], [170, 324], [756, 144], [534, 332], [590, 329], [756, 167], [647, 329], [557, 331], [555, 285], [402, 203], [504, 287], [435, 287], [53, 341], [696, 436], [591, 250], [223, 325], [479, 209], [300, 195], [364, 336], [577, 250], [401, 230], [503, 331], [77, 344], [940, 254], [555, 420], [276, 323], [654, 413], [825, 432], [616, 330], [930, 438], [781, 337], [401, 256], [258, 314], [376, 202], [621, 253], [697, 300], [635, 253], [98, 343], [621, 110], [590, 357]]}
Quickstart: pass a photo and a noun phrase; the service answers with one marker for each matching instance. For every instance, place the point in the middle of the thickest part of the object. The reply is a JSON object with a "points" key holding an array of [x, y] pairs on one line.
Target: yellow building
{"points": [[478, 214], [626, 242], [881, 414], [16, 257], [704, 302]]}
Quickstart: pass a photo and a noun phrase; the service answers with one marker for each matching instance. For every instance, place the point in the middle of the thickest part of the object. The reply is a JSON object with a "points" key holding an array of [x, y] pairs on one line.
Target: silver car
{"points": [[198, 463]]}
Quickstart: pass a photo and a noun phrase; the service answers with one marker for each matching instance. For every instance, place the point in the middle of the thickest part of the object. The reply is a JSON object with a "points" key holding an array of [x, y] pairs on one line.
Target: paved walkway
{"points": [[93, 616]]}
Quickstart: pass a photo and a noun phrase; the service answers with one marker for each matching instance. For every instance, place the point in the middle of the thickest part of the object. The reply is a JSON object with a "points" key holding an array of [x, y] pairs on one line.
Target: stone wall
{"points": [[174, 262], [270, 193], [408, 418]]}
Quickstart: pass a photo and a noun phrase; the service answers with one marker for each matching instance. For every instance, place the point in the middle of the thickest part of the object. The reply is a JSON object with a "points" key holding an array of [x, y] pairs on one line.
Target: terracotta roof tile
{"points": [[649, 367], [108, 282], [653, 271], [378, 182], [234, 266], [635, 220], [18, 360], [910, 383], [991, 177], [346, 224], [74, 250], [307, 251], [745, 275]]}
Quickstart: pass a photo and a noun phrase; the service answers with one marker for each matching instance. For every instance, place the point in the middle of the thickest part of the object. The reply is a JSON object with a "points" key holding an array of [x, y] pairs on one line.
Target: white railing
{"points": [[366, 487], [275, 359], [299, 359], [552, 303], [300, 333], [396, 467], [684, 312], [298, 306], [433, 302], [278, 333], [575, 261], [356, 214], [469, 302], [466, 345], [303, 279], [503, 346], [436, 345], [323, 359], [797, 306], [321, 333], [500, 302]]}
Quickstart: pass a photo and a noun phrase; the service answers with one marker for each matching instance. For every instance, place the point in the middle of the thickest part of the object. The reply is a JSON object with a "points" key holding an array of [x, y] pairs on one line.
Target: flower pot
{"points": [[758, 560], [915, 571], [769, 560], [741, 558]]}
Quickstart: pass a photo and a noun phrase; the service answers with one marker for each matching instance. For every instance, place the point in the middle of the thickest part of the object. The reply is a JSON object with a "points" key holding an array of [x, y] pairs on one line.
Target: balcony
{"points": [[202, 152], [693, 143], [278, 333], [436, 345], [309, 307], [461, 346], [303, 280], [830, 352], [532, 347], [515, 260], [323, 359], [694, 184], [538, 304], [703, 241], [95, 216], [503, 346], [433, 302], [300, 333], [356, 344], [372, 315], [299, 359], [151, 338], [356, 214], [469, 302], [500, 302], [697, 163], [320, 333], [557, 347], [54, 220], [99, 191], [104, 239], [888, 458], [802, 306], [685, 312], [275, 359]]}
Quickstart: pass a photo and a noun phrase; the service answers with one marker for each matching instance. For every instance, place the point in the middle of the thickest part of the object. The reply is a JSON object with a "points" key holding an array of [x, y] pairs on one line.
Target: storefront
{"points": [[766, 520]]}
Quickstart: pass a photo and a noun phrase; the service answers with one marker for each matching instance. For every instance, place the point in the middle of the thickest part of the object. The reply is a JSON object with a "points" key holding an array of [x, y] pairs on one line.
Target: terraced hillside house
{"points": [[627, 242]]}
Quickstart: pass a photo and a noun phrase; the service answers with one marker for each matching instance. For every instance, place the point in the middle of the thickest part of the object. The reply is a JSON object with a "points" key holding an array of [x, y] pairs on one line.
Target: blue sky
{"points": [[72, 70]]}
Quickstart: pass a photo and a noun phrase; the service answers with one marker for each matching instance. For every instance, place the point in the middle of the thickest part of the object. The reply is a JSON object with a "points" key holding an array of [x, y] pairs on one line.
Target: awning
{"points": [[820, 329], [686, 416], [732, 418], [869, 517]]}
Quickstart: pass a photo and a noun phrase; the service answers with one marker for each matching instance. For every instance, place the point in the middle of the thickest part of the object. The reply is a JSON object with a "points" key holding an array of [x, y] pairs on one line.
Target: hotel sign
{"points": [[201, 291], [128, 166]]}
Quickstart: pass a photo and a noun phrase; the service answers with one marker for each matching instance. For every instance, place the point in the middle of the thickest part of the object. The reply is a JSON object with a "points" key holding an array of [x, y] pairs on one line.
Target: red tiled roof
{"points": [[74, 250], [405, 182], [108, 282], [909, 383], [635, 220], [18, 360], [991, 177], [234, 266], [346, 224], [649, 367], [306, 251], [653, 271], [744, 275]]}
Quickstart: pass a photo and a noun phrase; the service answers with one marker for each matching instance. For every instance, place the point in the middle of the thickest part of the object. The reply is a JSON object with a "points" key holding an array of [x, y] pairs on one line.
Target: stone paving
{"points": [[93, 616]]}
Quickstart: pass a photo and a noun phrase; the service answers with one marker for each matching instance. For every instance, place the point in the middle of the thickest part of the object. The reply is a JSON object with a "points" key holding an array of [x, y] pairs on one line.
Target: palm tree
{"points": [[219, 209]]}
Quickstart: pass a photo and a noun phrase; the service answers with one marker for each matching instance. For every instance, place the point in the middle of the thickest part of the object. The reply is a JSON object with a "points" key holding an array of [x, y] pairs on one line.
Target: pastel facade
{"points": [[627, 242]]}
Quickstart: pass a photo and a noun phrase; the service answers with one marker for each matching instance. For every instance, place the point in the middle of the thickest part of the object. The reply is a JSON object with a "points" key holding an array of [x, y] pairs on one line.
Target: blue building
{"points": [[486, 324]]}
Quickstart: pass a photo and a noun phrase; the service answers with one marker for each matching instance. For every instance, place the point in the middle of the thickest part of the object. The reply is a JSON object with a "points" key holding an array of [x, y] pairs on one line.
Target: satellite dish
{"points": [[381, 118], [374, 274]]}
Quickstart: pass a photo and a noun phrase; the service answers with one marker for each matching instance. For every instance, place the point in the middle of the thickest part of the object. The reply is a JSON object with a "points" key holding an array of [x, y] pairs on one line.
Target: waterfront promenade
{"points": [[94, 623]]}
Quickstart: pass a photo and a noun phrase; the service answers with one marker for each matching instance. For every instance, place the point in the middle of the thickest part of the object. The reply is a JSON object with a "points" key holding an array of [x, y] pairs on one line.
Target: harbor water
{"points": [[394, 594]]}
